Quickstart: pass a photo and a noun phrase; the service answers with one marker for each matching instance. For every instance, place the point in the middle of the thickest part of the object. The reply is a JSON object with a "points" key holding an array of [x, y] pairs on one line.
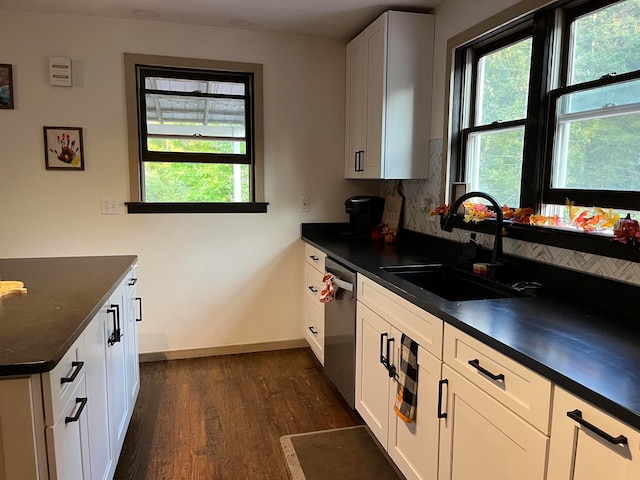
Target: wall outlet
{"points": [[109, 206], [304, 204]]}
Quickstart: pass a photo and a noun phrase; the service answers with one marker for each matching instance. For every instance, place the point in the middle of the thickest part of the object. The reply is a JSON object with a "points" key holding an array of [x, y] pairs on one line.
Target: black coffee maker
{"points": [[365, 212]]}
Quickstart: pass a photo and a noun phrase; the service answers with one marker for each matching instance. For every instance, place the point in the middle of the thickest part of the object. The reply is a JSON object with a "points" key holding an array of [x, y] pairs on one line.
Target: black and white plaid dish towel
{"points": [[406, 401]]}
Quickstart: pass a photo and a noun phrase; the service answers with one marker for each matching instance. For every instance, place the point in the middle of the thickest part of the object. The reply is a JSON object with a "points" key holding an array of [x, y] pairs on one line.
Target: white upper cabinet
{"points": [[388, 102]]}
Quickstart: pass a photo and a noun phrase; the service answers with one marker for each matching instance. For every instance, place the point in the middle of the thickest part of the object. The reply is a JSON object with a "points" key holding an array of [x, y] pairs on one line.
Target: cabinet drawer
{"points": [[67, 439], [421, 326], [59, 383], [313, 284], [314, 329], [314, 256], [523, 391]]}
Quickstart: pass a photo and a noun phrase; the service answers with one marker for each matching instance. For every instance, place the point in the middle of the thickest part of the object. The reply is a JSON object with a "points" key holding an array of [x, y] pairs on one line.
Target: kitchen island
{"points": [[69, 373]]}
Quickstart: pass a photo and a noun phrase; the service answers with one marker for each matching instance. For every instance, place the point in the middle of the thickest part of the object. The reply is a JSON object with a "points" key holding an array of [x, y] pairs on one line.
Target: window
{"points": [[547, 108], [194, 135]]}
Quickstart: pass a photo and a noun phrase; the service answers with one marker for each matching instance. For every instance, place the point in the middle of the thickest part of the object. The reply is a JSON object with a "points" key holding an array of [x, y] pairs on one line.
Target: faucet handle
{"points": [[472, 238]]}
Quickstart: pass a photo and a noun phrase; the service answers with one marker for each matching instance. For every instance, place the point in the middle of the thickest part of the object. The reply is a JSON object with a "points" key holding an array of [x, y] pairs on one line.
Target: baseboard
{"points": [[223, 350]]}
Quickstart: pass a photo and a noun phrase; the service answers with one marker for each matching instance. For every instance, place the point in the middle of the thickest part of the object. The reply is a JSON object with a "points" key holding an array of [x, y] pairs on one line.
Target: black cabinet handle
{"points": [[383, 360], [476, 364], [139, 302], [132, 282], [358, 165], [83, 402], [117, 332], [442, 382], [116, 336], [312, 330], [576, 416], [391, 368], [313, 289], [77, 367], [314, 258]]}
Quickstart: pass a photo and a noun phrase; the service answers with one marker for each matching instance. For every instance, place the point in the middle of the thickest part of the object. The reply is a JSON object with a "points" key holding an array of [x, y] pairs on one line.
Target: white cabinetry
{"points": [[588, 444], [382, 318], [69, 423], [495, 414], [388, 101], [313, 309]]}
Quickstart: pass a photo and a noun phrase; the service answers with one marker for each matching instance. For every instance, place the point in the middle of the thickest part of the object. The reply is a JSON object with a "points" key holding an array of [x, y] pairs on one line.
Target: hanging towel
{"points": [[405, 406], [328, 292]]}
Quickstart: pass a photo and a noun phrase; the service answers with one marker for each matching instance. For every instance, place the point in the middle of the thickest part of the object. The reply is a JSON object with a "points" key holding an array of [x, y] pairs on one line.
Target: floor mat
{"points": [[339, 454]]}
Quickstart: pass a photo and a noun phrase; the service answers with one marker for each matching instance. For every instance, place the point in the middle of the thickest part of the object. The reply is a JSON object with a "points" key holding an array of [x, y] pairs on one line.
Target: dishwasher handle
{"points": [[342, 284]]}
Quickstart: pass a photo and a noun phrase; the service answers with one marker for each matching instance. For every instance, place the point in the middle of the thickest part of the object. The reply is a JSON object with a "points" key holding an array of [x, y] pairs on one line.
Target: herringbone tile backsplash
{"points": [[420, 195]]}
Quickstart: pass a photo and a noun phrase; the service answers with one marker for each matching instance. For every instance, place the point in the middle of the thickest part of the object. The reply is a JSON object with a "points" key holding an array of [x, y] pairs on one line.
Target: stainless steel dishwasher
{"points": [[340, 331]]}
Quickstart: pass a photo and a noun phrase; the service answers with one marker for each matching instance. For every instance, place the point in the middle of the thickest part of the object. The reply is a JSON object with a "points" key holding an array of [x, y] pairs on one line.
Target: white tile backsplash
{"points": [[415, 191]]}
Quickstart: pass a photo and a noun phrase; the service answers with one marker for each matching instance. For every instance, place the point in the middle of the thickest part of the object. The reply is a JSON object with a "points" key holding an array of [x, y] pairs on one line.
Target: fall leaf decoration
{"points": [[477, 212], [586, 219]]}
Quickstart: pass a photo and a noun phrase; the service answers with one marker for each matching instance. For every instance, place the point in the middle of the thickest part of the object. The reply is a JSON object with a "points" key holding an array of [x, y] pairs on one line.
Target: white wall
{"points": [[451, 18], [206, 279]]}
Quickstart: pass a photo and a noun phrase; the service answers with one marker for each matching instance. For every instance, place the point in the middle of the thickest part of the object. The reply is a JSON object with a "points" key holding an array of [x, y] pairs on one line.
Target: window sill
{"points": [[593, 243], [247, 207]]}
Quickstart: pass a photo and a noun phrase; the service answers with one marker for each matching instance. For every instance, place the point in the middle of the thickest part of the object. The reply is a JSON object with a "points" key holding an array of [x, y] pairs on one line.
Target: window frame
{"points": [[540, 123], [548, 48], [136, 124]]}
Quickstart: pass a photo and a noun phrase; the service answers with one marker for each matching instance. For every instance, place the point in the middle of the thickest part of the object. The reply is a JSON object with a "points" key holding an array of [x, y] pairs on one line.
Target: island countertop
{"points": [[63, 295]]}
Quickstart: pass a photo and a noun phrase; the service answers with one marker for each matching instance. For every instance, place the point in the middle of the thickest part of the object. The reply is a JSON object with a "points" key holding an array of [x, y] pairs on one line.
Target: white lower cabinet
{"points": [[68, 439], [70, 423], [381, 319], [412, 446], [103, 460], [314, 310], [482, 439], [588, 444]]}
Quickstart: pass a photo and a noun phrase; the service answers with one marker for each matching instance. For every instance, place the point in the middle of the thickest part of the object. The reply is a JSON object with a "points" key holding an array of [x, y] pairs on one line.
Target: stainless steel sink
{"points": [[451, 283]]}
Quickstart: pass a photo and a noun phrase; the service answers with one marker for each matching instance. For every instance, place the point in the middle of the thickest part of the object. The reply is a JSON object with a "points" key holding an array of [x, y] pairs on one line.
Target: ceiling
{"points": [[331, 18]]}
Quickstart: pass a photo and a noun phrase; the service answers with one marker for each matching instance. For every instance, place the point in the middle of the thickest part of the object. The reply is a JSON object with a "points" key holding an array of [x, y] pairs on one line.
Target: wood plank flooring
{"points": [[221, 418]]}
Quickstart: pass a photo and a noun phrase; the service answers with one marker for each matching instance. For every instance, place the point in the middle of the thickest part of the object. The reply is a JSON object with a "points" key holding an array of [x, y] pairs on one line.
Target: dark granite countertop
{"points": [[581, 333], [63, 295]]}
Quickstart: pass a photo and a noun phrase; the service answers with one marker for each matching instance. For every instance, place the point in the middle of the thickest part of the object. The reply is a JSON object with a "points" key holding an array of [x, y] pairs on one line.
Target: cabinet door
{"points": [[591, 445], [373, 334], [414, 446], [355, 107], [376, 80], [480, 438], [117, 368], [131, 344], [98, 415], [68, 440]]}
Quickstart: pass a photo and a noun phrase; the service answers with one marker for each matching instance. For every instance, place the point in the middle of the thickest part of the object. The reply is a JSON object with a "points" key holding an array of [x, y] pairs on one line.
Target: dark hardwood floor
{"points": [[220, 418]]}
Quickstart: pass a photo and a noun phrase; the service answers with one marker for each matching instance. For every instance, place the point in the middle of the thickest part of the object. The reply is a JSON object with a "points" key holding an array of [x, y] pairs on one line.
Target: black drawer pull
{"points": [[312, 330], [132, 282], [313, 289], [476, 364], [83, 402], [576, 416], [139, 302], [314, 258], [442, 382], [77, 367]]}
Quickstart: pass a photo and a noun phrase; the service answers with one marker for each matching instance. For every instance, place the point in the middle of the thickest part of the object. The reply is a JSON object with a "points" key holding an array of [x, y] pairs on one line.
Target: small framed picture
{"points": [[63, 148], [6, 87]]}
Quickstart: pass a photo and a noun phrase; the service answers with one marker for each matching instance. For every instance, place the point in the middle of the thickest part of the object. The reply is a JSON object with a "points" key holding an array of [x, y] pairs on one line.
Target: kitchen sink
{"points": [[452, 283]]}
